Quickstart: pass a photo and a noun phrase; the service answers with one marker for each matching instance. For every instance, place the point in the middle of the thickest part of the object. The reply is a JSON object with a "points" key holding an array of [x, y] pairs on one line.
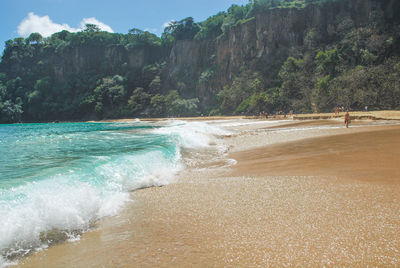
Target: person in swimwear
{"points": [[347, 119]]}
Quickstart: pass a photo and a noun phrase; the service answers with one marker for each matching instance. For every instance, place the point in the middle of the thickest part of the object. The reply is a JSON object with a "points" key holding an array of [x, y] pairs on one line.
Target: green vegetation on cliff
{"points": [[269, 55]]}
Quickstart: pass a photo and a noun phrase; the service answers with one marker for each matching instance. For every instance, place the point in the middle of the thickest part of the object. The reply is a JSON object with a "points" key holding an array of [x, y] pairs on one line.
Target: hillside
{"points": [[270, 55]]}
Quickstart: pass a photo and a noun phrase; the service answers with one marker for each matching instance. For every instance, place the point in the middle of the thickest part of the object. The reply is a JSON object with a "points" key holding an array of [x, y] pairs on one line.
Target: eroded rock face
{"points": [[108, 59], [263, 42]]}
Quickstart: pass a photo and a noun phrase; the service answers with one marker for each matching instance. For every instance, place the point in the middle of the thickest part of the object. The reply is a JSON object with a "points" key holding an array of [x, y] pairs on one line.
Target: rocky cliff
{"points": [[108, 59], [306, 58], [269, 38]]}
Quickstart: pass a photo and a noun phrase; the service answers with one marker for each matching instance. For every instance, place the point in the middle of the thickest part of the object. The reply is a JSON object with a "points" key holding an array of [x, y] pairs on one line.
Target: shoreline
{"points": [[220, 214], [383, 115], [358, 115]]}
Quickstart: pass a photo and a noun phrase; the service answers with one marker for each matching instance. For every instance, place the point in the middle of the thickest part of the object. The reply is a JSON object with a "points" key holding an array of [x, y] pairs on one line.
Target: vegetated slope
{"points": [[266, 56]]}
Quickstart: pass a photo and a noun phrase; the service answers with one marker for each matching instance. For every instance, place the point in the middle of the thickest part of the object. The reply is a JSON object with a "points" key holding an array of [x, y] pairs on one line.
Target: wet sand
{"points": [[304, 194], [371, 155]]}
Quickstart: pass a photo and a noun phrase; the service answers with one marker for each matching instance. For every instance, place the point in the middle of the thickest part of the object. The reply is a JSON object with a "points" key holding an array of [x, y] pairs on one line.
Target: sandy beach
{"points": [[272, 193]]}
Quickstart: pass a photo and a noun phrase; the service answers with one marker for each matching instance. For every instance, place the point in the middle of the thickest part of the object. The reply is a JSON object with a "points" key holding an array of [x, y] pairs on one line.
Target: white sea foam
{"points": [[63, 205], [43, 206], [67, 204], [231, 162], [141, 170], [5, 263], [192, 134], [236, 123]]}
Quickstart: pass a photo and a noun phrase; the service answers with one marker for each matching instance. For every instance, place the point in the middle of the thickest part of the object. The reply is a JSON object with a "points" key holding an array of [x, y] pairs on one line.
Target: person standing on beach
{"points": [[347, 119]]}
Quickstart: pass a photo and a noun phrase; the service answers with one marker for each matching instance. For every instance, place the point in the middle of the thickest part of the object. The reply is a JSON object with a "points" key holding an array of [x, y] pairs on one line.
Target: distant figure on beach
{"points": [[347, 119], [266, 115], [366, 108], [336, 110]]}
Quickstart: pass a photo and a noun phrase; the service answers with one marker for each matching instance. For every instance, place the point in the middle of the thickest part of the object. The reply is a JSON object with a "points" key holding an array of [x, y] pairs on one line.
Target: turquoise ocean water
{"points": [[63, 177]]}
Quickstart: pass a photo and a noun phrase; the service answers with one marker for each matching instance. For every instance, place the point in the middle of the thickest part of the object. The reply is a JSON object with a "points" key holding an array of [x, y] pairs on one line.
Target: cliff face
{"points": [[302, 59], [271, 36], [103, 60], [265, 41]]}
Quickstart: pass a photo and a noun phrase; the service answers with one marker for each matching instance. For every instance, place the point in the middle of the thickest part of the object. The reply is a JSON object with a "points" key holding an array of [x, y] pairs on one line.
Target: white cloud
{"points": [[43, 25], [46, 27]]}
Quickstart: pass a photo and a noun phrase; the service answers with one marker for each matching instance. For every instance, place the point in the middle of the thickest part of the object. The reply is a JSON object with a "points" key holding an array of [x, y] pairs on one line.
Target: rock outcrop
{"points": [[271, 36]]}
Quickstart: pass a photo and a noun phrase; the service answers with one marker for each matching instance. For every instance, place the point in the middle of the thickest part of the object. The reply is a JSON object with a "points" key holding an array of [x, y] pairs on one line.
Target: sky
{"points": [[19, 18]]}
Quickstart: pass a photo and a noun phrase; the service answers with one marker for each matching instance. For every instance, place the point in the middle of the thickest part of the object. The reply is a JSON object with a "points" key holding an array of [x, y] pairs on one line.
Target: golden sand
{"points": [[299, 195], [374, 154]]}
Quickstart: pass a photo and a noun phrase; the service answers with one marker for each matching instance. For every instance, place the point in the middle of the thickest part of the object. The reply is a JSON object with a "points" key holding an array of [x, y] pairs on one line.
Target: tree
{"points": [[243, 86], [10, 112], [136, 31], [63, 35], [211, 28], [109, 93], [184, 107], [139, 100], [327, 61], [158, 104], [291, 73], [137, 37], [90, 28], [34, 39], [167, 39], [183, 29], [44, 85], [297, 84], [155, 85], [267, 101]]}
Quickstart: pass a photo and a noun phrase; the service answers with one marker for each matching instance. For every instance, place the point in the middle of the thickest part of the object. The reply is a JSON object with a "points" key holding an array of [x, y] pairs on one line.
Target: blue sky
{"points": [[20, 17]]}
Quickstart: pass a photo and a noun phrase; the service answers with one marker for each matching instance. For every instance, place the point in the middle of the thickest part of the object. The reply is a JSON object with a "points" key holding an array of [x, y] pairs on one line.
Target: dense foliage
{"points": [[349, 66], [93, 74]]}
